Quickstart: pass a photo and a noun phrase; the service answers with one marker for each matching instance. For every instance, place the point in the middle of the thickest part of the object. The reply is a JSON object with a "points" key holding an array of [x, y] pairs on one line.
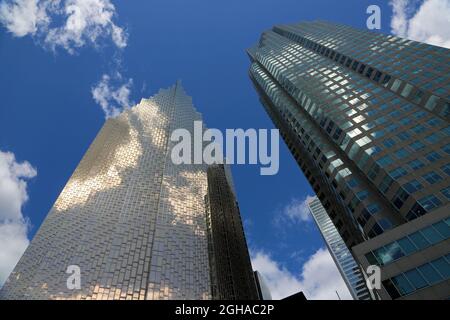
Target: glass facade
{"points": [[366, 116], [410, 244], [335, 96], [231, 270], [418, 278], [346, 264], [132, 221]]}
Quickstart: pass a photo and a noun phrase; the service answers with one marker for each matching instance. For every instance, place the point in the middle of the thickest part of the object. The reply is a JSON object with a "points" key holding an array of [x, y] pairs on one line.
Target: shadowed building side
{"points": [[261, 286], [231, 270]]}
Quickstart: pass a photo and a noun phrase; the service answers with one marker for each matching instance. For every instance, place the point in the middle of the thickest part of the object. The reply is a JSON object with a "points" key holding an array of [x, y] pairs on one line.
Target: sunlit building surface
{"points": [[346, 264], [366, 116], [132, 221]]}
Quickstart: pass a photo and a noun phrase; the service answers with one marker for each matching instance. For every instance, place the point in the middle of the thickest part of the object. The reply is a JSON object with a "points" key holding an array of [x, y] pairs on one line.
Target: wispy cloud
{"points": [[295, 211], [319, 278], [70, 25], [426, 21], [113, 94], [23, 17], [83, 22], [13, 225]]}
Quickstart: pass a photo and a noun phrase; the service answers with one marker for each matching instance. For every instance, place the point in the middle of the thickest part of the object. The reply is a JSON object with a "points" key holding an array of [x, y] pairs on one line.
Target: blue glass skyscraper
{"points": [[366, 116]]}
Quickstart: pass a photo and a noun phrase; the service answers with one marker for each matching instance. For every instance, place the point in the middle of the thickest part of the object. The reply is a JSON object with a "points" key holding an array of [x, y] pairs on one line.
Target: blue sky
{"points": [[48, 116]]}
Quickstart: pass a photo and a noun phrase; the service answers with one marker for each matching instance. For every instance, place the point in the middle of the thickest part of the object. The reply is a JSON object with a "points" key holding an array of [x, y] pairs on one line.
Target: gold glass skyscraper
{"points": [[132, 221]]}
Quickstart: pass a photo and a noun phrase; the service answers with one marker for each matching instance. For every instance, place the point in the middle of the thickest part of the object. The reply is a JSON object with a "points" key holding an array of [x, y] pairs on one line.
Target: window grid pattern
{"points": [[410, 244], [133, 222], [376, 128], [418, 278]]}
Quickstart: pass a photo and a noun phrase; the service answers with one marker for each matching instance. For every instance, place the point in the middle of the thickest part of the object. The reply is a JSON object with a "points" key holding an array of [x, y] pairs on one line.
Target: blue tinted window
{"points": [[398, 173], [362, 195], [406, 107], [385, 161], [402, 284], [401, 153], [430, 274], [385, 224], [407, 246], [419, 241], [405, 121], [389, 143], [446, 192], [446, 131], [433, 156], [373, 150], [352, 183], [446, 148], [430, 202], [373, 208], [380, 120], [377, 134], [432, 235], [416, 279], [382, 256], [433, 138], [420, 114], [434, 122], [413, 186], [446, 169], [432, 177], [392, 127], [417, 145], [443, 228], [442, 266], [416, 164], [394, 251], [418, 129], [404, 136]]}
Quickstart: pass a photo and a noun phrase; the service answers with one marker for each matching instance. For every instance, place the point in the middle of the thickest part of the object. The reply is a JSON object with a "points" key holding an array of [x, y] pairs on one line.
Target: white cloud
{"points": [[112, 98], [13, 225], [119, 36], [87, 21], [319, 278], [297, 210], [426, 22], [22, 17], [83, 21]]}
